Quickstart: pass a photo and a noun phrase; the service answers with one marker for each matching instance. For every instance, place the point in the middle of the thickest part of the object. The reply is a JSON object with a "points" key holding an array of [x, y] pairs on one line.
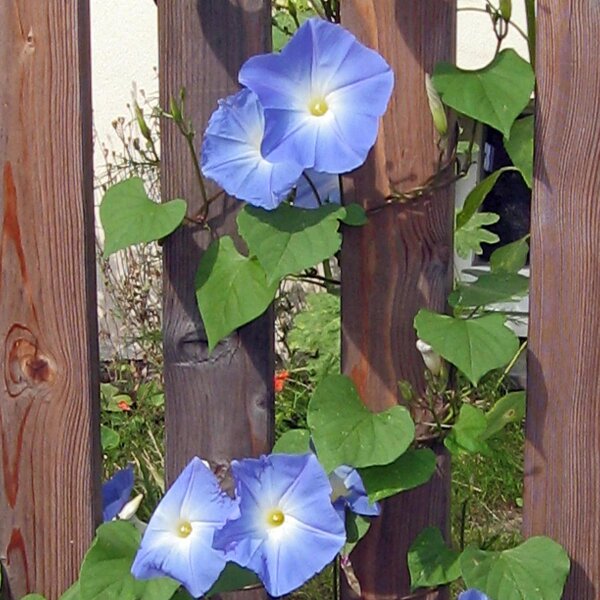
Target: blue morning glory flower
{"points": [[473, 595], [327, 188], [349, 491], [116, 492], [288, 530], [178, 540], [322, 97], [231, 154]]}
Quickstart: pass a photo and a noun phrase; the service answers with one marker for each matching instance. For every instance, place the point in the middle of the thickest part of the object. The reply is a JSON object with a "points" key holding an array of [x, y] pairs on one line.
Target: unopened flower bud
{"points": [[406, 390], [432, 360], [141, 121], [438, 112], [129, 510], [176, 111], [506, 9]]}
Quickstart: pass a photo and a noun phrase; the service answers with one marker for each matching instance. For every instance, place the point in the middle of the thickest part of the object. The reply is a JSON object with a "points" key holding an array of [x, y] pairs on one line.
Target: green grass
{"points": [[487, 491]]}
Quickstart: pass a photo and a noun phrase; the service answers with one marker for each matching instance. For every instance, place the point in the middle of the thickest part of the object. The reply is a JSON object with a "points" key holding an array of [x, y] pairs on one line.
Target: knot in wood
{"points": [[26, 366], [30, 42], [189, 346]]}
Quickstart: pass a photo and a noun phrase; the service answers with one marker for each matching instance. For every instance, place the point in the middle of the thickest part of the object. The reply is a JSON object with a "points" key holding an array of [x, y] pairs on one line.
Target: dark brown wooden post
{"points": [[49, 433], [399, 262], [562, 465], [220, 405]]}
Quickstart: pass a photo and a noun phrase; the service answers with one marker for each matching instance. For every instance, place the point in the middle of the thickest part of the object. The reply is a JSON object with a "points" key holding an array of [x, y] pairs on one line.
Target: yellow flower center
{"points": [[318, 106], [275, 517], [184, 529]]}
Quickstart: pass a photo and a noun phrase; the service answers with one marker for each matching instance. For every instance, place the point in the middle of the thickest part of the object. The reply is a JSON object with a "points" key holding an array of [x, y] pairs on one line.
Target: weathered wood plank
{"points": [[399, 262], [219, 406], [562, 459], [49, 433]]}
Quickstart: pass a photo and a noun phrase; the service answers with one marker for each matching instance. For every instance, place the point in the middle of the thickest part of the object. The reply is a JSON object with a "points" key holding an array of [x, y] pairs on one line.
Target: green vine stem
{"points": [[313, 187], [510, 365], [177, 115], [518, 29], [530, 16]]}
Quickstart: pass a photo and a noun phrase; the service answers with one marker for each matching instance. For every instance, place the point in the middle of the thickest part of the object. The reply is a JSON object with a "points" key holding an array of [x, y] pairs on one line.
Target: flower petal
{"points": [[231, 154], [277, 80], [367, 87], [293, 558], [473, 595], [308, 538], [116, 492], [344, 142], [324, 64], [196, 500], [357, 498], [290, 135]]}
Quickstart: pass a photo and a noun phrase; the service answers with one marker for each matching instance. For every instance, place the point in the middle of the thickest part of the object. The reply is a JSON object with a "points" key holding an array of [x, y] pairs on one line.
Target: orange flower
{"points": [[124, 406], [280, 379]]}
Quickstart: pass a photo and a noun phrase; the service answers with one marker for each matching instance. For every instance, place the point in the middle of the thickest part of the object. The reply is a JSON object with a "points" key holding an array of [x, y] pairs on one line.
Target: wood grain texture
{"points": [[562, 460], [219, 406], [398, 263], [49, 432]]}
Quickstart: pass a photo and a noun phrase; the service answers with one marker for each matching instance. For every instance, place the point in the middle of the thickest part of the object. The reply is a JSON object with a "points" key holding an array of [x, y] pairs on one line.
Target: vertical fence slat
{"points": [[49, 434], [562, 459], [220, 405], [399, 262]]}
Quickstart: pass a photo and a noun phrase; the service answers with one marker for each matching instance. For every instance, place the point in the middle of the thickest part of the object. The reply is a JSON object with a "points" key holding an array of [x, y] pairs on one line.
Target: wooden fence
{"points": [[221, 405]]}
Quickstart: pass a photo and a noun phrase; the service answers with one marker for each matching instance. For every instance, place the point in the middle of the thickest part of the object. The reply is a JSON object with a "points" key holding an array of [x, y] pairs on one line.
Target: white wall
{"points": [[124, 52], [476, 42]]}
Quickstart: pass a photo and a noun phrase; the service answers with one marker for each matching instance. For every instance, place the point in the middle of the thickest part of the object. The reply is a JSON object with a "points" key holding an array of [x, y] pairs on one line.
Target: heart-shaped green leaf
{"points": [[475, 346], [535, 570], [410, 470], [509, 409], [231, 579], [109, 438], [346, 432], [495, 95], [477, 195], [72, 593], [295, 441], [510, 258], [520, 147], [231, 290], [430, 561], [490, 288], [355, 215], [130, 217], [288, 240], [105, 572], [468, 433]]}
